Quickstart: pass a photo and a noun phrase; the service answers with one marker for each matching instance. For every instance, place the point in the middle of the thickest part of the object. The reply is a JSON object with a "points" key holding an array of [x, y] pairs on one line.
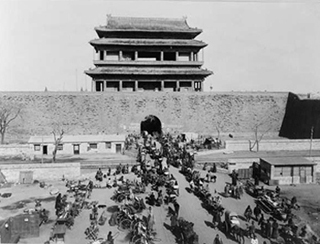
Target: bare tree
{"points": [[259, 133], [58, 132], [219, 128], [8, 113], [263, 122]]}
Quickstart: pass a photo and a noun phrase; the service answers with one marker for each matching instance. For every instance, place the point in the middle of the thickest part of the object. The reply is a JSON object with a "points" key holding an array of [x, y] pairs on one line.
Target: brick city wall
{"points": [[112, 112], [54, 171]]}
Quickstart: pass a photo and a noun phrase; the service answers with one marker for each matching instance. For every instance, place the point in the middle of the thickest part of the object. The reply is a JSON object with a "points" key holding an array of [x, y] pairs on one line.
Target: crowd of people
{"points": [[154, 159]]}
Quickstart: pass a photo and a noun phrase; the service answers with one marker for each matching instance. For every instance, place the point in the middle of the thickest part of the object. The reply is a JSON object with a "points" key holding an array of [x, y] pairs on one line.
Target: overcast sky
{"points": [[252, 46]]}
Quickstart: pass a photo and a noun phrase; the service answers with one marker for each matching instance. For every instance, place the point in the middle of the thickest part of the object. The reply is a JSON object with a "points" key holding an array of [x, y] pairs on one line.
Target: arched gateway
{"points": [[151, 124]]}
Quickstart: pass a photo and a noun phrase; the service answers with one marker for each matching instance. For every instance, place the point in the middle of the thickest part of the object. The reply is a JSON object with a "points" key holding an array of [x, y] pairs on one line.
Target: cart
{"points": [[58, 233]]}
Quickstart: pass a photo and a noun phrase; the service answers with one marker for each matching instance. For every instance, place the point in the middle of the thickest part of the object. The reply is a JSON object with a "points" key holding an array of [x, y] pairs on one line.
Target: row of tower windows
{"points": [[145, 56]]}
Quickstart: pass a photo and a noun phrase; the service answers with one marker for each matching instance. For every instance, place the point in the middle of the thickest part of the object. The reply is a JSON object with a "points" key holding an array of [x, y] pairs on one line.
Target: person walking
{"points": [[234, 177], [248, 213], [110, 238], [176, 208], [268, 229], [275, 230], [216, 219], [217, 240], [262, 222], [257, 212], [237, 190], [58, 204]]}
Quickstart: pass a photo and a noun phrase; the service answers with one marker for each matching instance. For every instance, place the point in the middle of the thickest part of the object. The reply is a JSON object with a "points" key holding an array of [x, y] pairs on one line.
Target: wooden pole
{"points": [[311, 136]]}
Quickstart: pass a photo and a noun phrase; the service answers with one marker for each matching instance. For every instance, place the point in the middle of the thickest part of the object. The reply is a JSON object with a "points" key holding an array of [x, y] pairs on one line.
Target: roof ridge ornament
{"points": [[109, 16]]}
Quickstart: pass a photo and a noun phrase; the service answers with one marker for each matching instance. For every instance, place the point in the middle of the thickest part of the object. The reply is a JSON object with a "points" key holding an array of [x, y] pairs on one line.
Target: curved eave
{"points": [[151, 71], [190, 30], [140, 42], [101, 31]]}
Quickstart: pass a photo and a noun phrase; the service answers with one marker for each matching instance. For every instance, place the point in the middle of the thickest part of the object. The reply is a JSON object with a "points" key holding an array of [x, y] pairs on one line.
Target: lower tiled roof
{"points": [[148, 71]]}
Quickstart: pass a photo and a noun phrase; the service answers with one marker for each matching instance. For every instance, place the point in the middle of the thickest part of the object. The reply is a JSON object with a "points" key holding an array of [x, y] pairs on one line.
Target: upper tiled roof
{"points": [[138, 23]]}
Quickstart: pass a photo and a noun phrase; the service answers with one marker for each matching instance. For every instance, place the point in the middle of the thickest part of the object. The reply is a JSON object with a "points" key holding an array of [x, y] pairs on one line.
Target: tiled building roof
{"points": [[138, 23], [148, 71], [147, 42]]}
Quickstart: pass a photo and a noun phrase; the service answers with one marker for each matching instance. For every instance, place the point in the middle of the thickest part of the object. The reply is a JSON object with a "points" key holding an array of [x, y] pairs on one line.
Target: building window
{"points": [[184, 56], [99, 86], [108, 145], [93, 145], [101, 55], [37, 147], [278, 171], [60, 147], [128, 56], [169, 56], [112, 55], [148, 56]]}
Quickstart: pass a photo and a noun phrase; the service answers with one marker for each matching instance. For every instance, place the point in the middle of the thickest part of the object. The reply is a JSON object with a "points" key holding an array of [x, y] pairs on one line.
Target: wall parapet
{"points": [[274, 145], [47, 171]]}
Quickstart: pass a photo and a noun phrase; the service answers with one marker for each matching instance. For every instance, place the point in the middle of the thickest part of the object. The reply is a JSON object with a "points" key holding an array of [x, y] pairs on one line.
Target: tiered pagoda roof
{"points": [[147, 49], [136, 25]]}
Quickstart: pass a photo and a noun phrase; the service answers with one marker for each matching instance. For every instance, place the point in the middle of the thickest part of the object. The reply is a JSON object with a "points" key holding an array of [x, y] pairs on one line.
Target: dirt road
{"points": [[190, 209]]}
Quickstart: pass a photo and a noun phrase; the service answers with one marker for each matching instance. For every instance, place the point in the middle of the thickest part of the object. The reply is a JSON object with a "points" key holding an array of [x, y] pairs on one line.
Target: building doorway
{"points": [[76, 149], [303, 176], [151, 124], [118, 148], [45, 150]]}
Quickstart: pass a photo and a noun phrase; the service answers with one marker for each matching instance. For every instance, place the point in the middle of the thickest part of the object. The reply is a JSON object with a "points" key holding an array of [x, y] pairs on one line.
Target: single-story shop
{"points": [[78, 144], [287, 170]]}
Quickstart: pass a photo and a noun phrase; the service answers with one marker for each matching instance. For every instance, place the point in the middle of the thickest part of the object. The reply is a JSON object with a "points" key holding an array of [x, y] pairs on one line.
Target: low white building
{"points": [[78, 144]]}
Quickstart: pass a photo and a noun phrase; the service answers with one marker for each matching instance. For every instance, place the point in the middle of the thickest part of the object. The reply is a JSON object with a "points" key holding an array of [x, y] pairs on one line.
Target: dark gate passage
{"points": [[151, 124]]}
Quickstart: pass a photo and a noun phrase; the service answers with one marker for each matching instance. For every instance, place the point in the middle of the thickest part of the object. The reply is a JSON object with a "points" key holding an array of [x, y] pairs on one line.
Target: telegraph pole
{"points": [[311, 136], [41, 149]]}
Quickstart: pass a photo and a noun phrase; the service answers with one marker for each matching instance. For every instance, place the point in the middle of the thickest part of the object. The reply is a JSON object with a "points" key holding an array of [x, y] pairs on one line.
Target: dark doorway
{"points": [[152, 125], [76, 149], [45, 150], [118, 148], [303, 176]]}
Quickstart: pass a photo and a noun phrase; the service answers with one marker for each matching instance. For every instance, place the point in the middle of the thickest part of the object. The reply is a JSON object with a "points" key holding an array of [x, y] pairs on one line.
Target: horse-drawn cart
{"points": [[272, 207], [187, 234]]}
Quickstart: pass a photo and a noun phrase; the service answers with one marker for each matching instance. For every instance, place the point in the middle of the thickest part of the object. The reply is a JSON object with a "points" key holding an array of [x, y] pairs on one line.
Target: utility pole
{"points": [[41, 149], [311, 136]]}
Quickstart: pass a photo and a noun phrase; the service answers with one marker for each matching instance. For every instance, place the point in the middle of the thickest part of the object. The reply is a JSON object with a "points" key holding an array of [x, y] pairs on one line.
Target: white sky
{"points": [[252, 46]]}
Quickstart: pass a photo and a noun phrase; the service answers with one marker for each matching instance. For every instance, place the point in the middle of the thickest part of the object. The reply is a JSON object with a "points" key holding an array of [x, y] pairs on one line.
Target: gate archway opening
{"points": [[152, 125]]}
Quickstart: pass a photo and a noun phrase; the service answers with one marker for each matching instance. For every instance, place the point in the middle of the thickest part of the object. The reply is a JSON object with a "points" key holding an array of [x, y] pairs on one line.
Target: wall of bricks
{"points": [[113, 112]]}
